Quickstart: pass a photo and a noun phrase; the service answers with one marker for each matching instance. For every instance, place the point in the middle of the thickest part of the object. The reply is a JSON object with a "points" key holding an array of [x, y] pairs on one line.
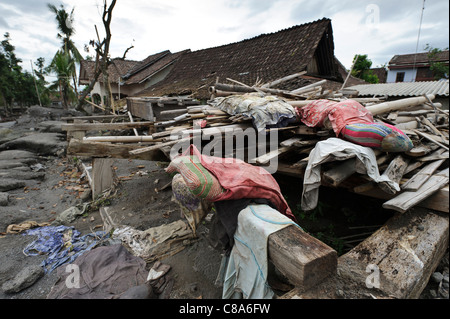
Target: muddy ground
{"points": [[49, 182]]}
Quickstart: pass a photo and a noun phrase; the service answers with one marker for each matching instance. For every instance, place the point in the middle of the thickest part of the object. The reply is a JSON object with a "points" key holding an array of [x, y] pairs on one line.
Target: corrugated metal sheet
{"points": [[438, 88]]}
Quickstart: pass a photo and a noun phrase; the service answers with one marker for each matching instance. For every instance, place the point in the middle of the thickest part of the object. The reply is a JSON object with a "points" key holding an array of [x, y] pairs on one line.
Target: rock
{"points": [[437, 277], [144, 291], [51, 126], [24, 279], [4, 199], [16, 154], [40, 143], [10, 184], [21, 175]]}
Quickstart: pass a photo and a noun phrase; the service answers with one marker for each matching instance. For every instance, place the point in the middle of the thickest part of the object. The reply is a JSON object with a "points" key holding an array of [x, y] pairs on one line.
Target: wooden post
{"points": [[303, 259], [102, 175]]}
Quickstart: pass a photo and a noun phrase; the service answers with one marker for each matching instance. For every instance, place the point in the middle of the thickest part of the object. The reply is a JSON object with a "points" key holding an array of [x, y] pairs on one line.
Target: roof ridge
{"points": [[267, 34]]}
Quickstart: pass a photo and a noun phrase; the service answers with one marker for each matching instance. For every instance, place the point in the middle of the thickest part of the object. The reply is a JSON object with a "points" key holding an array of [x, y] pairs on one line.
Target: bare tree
{"points": [[102, 59]]}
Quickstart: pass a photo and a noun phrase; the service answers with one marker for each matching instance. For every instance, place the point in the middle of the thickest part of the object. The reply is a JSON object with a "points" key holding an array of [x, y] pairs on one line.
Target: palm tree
{"points": [[64, 21], [62, 65]]}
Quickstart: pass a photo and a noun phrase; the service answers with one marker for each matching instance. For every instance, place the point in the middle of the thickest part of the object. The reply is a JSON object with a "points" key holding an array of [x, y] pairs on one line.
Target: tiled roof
{"points": [[118, 68], [130, 71], [438, 88], [154, 66], [266, 57], [420, 58]]}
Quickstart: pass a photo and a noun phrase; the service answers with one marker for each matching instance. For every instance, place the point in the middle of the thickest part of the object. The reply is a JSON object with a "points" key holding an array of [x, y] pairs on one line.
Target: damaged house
{"points": [[128, 77], [324, 137], [308, 47]]}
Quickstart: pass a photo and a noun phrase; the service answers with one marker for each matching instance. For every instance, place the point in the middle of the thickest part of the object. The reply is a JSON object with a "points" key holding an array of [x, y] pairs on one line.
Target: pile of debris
{"points": [[420, 171]]}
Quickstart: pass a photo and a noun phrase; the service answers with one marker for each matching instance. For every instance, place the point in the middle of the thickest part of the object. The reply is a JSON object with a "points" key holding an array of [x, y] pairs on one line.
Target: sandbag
{"points": [[381, 136], [198, 179]]}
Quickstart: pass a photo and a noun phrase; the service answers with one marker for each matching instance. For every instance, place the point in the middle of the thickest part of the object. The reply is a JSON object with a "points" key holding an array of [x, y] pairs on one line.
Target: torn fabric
{"points": [[247, 269], [334, 149], [266, 112]]}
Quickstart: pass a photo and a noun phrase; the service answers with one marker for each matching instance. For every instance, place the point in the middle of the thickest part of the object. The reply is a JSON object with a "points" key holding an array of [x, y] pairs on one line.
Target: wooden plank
{"points": [[266, 158], [100, 149], [422, 176], [303, 259], [104, 126], [91, 118], [141, 108], [433, 139], [156, 147], [102, 175], [339, 172], [394, 172], [408, 199], [290, 141]]}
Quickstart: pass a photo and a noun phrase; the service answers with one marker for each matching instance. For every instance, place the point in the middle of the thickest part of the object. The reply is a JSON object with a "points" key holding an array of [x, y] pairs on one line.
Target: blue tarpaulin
{"points": [[62, 244]]}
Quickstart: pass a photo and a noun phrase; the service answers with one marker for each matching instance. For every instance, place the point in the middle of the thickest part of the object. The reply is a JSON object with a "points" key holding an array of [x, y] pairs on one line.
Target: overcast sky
{"points": [[378, 28]]}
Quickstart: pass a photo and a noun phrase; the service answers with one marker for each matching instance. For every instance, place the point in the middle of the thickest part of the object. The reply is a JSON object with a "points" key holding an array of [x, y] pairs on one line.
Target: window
{"points": [[400, 77]]}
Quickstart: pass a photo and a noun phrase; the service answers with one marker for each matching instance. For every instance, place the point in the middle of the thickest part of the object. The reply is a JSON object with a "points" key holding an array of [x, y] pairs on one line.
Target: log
{"points": [[398, 105], [101, 149], [405, 252], [408, 199], [303, 259]]}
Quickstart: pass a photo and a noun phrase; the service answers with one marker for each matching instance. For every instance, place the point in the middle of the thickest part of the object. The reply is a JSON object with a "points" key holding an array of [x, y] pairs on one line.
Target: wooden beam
{"points": [[397, 105], [400, 257], [101, 149], [405, 252], [303, 259], [104, 126]]}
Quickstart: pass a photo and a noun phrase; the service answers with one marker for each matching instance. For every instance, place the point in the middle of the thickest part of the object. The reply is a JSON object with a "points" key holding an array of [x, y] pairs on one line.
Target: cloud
{"points": [[378, 28]]}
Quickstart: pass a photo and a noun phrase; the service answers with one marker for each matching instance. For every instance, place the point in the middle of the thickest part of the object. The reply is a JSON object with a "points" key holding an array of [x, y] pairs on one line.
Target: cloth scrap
{"points": [[18, 228], [266, 112], [104, 273], [247, 269], [337, 149], [62, 244]]}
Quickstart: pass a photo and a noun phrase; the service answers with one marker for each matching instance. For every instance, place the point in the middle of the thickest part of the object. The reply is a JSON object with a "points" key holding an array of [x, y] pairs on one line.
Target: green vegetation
{"points": [[440, 70], [361, 69]]}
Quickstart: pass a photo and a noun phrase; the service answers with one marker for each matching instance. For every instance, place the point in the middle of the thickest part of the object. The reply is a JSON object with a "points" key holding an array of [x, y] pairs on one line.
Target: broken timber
{"points": [[394, 262]]}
